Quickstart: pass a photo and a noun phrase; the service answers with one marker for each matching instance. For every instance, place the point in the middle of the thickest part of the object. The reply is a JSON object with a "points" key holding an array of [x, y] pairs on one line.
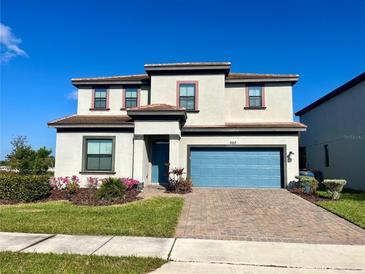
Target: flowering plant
{"points": [[73, 185], [65, 183], [57, 183], [129, 182], [175, 177], [92, 182]]}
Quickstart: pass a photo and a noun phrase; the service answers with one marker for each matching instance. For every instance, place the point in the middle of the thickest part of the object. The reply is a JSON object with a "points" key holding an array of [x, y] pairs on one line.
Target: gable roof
{"points": [[358, 79]]}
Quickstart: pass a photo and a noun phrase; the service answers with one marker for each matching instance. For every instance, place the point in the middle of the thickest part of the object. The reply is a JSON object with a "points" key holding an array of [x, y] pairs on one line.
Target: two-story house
{"points": [[225, 129]]}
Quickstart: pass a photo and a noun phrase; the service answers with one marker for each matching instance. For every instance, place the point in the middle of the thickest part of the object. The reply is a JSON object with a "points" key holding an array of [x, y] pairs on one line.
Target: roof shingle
{"points": [[92, 120], [157, 107]]}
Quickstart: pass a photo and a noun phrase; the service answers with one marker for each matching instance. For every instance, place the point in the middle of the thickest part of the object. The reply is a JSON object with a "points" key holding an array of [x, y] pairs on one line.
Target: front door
{"points": [[160, 159]]}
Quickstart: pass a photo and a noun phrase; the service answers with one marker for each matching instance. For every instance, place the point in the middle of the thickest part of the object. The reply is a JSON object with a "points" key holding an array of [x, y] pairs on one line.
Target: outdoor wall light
{"points": [[290, 155]]}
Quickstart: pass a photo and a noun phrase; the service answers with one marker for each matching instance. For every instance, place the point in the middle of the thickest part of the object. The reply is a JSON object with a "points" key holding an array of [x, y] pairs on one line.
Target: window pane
{"points": [[187, 90], [131, 93], [99, 103], [100, 93], [187, 102], [190, 104], [255, 101], [106, 147], [92, 163], [93, 147], [254, 91], [99, 146], [130, 103], [190, 90], [183, 91], [106, 163]]}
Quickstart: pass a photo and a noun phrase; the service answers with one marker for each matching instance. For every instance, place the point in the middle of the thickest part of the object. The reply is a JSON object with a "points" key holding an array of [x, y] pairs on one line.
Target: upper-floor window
{"points": [[98, 154], [255, 97], [187, 96], [131, 97], [100, 98]]}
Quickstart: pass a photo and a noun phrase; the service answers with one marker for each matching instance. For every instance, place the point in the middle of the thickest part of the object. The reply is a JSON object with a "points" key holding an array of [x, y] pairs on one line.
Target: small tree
{"points": [[26, 160]]}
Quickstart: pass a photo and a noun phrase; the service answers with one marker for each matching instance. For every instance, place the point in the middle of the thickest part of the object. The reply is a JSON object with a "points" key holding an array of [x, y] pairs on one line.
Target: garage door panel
{"points": [[236, 167]]}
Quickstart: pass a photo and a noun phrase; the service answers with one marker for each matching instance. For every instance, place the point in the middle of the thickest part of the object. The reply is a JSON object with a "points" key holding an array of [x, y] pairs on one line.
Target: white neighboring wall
{"points": [[340, 124]]}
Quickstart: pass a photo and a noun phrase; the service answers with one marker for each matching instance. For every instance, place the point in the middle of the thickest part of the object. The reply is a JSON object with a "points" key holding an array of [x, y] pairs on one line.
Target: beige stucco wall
{"points": [[210, 96], [127, 150], [339, 123], [115, 101], [156, 127], [278, 102], [69, 155], [218, 103], [289, 142]]}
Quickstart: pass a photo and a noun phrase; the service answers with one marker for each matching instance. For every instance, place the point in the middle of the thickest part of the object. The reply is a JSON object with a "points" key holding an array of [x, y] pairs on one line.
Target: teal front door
{"points": [[160, 159]]}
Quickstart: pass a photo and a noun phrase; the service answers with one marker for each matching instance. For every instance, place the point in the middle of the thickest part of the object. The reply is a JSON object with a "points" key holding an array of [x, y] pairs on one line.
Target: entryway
{"points": [[160, 160]]}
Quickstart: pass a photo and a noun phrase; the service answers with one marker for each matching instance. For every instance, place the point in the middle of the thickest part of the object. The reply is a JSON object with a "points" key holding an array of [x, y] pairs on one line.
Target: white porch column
{"points": [[174, 145], [139, 146]]}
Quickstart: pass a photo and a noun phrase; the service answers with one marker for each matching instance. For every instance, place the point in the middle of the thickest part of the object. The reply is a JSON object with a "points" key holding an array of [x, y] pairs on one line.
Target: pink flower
{"points": [[129, 182], [92, 182]]}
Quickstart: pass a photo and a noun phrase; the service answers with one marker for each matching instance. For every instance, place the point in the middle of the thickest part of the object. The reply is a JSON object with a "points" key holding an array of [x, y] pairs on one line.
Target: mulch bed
{"points": [[88, 197], [309, 197], [83, 196]]}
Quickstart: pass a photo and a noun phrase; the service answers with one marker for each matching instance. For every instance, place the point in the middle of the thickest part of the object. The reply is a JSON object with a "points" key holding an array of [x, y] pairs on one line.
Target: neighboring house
{"points": [[334, 143], [225, 129]]}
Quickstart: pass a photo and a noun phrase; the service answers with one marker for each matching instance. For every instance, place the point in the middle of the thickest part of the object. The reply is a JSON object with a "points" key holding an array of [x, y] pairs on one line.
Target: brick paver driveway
{"points": [[262, 215]]}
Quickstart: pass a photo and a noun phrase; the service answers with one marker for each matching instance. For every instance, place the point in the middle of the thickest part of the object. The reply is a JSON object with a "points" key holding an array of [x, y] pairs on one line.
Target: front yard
{"points": [[11, 262], [155, 217], [351, 206]]}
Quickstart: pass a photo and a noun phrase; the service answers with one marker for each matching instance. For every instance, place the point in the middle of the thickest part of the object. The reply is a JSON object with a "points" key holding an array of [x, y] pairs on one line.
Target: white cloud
{"points": [[9, 44], [72, 95]]}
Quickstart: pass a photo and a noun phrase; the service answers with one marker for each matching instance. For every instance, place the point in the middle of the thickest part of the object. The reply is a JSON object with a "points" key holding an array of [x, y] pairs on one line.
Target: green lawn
{"points": [[52, 263], [351, 206], [156, 217]]}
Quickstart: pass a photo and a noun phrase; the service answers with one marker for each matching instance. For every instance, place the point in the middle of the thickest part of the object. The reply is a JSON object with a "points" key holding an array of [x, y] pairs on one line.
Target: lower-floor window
{"points": [[99, 154]]}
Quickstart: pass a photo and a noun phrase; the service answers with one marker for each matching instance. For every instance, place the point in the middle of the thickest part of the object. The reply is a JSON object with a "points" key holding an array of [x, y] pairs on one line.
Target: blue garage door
{"points": [[236, 167]]}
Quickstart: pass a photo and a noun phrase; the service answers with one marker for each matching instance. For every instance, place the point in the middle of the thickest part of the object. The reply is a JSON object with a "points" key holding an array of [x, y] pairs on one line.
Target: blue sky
{"points": [[323, 41]]}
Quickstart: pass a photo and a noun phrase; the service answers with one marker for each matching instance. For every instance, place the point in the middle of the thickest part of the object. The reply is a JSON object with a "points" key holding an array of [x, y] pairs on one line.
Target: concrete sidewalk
{"points": [[203, 268], [86, 245], [200, 256]]}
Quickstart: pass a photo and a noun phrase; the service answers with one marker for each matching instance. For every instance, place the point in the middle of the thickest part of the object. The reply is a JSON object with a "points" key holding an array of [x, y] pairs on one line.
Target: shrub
{"points": [[184, 185], [65, 183], [111, 189], [308, 182], [129, 183], [73, 184], [175, 176], [25, 188], [334, 187], [92, 182]]}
